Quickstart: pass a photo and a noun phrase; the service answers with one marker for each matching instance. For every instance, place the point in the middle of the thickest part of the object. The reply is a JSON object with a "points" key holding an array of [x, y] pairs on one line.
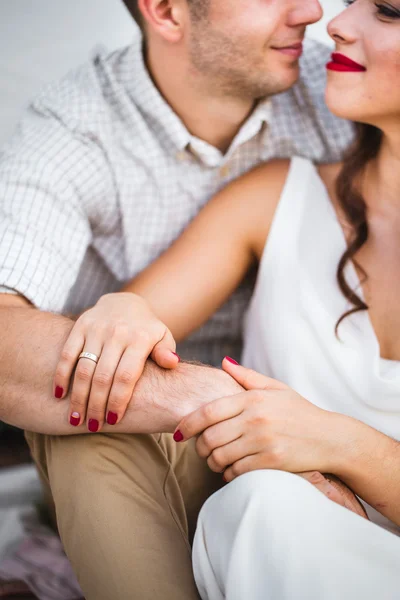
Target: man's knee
{"points": [[77, 466]]}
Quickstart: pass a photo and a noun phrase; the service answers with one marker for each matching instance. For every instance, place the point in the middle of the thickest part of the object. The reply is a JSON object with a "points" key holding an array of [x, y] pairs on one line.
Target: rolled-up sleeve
{"points": [[48, 177]]}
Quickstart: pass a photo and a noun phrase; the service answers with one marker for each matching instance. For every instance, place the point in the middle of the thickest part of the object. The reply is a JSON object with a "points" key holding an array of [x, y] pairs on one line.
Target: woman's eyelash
{"points": [[387, 11], [383, 9]]}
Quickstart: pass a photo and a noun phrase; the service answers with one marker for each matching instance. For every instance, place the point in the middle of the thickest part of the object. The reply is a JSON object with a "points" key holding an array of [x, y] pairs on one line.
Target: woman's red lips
{"points": [[340, 62]]}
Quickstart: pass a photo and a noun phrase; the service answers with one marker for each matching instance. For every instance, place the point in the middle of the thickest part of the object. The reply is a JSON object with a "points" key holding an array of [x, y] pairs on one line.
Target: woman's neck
{"points": [[381, 183]]}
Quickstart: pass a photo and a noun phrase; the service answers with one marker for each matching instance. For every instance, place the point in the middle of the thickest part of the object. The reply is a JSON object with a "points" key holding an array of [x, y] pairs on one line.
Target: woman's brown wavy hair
{"points": [[365, 148]]}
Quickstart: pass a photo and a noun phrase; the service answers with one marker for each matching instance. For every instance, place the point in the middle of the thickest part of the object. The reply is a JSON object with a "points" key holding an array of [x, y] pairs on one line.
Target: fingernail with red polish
{"points": [[74, 419], [231, 360], [177, 356], [59, 392], [178, 437], [93, 425], [112, 418], [224, 478]]}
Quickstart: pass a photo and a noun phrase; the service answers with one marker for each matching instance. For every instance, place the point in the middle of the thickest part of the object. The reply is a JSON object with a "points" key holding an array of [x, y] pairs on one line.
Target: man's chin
{"points": [[282, 84]]}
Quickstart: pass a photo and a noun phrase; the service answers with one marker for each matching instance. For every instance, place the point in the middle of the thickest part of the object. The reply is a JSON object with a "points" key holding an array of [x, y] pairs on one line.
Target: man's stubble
{"points": [[230, 67]]}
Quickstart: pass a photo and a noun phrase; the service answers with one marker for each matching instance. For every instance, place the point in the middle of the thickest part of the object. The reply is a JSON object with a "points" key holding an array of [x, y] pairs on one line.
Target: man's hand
{"points": [[337, 491]]}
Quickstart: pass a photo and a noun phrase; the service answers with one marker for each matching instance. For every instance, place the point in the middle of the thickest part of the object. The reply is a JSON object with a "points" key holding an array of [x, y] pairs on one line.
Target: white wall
{"points": [[331, 9], [42, 39]]}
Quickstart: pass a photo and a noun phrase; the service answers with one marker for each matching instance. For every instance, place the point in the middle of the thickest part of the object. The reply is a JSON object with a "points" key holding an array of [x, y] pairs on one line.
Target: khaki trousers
{"points": [[126, 509]]}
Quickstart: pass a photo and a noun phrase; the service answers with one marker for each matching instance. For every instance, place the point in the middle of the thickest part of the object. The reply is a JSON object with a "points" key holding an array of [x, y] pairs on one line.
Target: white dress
{"points": [[290, 335]]}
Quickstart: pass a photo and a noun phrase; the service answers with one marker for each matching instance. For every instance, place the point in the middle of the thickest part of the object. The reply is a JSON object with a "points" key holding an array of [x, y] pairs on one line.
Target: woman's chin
{"points": [[341, 105]]}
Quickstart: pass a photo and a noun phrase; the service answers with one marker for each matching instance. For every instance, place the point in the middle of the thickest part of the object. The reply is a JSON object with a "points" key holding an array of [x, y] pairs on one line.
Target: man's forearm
{"points": [[30, 347]]}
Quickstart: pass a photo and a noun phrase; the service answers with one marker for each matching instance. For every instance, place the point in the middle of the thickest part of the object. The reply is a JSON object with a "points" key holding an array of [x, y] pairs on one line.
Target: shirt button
{"points": [[224, 171], [181, 156]]}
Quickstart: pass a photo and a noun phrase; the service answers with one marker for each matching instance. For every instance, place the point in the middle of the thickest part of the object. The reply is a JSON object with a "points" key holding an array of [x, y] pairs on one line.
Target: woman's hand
{"points": [[268, 427], [123, 332]]}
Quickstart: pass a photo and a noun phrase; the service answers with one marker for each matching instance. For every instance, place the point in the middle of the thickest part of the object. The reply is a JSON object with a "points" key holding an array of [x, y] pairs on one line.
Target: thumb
{"points": [[164, 354], [249, 379]]}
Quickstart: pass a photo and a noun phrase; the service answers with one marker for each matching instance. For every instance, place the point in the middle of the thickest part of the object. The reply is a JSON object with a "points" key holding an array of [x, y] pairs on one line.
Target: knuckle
{"points": [[78, 402], [212, 465], [96, 410], [315, 477], [218, 458], [120, 329], [67, 355], [236, 469], [258, 396], [143, 337], [276, 456], [61, 373], [257, 419], [102, 379], [208, 439], [201, 448], [125, 377], [209, 411], [118, 401], [84, 373], [83, 321]]}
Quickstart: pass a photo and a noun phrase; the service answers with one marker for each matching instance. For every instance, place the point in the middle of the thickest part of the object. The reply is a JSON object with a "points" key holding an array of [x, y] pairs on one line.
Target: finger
{"points": [[249, 379], [251, 462], [227, 455], [128, 372], [323, 485], [349, 498], [209, 414], [218, 435], [68, 359], [164, 354], [103, 378], [84, 371]]}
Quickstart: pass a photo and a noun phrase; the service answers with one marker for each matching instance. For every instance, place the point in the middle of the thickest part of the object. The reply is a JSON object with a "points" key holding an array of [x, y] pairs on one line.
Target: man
{"points": [[106, 170]]}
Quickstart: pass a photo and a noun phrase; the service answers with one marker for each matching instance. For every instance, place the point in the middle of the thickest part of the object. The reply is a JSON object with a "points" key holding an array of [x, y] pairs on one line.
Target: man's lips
{"points": [[295, 50], [343, 63]]}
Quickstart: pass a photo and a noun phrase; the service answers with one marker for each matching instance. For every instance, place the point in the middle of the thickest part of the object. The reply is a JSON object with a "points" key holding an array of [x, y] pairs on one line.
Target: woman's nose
{"points": [[343, 29]]}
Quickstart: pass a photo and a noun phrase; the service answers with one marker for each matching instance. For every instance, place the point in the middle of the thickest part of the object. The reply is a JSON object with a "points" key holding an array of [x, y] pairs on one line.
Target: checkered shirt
{"points": [[101, 176]]}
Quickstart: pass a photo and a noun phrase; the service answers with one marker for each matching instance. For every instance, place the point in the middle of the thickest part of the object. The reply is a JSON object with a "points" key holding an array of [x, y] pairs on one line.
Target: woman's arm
{"points": [[191, 280], [174, 295]]}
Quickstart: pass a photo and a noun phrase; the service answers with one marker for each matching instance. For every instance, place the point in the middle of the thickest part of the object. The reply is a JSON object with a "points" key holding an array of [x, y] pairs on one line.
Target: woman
{"points": [[324, 319]]}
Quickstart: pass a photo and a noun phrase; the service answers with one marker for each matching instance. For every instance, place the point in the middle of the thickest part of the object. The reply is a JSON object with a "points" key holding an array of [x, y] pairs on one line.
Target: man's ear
{"points": [[166, 17]]}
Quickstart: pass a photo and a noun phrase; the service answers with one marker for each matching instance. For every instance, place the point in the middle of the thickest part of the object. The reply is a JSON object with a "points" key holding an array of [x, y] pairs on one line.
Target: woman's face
{"points": [[368, 33]]}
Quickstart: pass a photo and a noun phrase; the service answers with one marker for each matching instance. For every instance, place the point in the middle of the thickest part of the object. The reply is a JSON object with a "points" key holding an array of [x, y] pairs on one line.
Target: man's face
{"points": [[250, 48]]}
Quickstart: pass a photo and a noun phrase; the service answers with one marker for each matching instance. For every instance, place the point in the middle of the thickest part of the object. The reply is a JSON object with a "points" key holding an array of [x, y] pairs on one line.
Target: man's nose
{"points": [[305, 12]]}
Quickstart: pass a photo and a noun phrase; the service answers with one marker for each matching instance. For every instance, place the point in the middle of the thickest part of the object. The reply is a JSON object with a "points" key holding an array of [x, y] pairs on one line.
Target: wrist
{"points": [[163, 397], [354, 444], [201, 384]]}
